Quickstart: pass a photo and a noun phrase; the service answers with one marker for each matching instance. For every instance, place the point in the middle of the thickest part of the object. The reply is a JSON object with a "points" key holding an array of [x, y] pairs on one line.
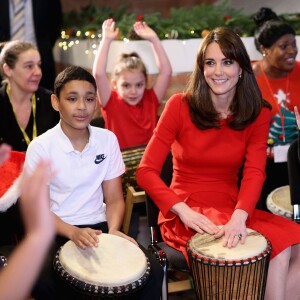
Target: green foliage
{"points": [[294, 20], [183, 23]]}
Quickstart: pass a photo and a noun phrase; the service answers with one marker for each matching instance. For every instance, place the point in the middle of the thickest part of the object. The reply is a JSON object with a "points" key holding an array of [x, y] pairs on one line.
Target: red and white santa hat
{"points": [[10, 175]]}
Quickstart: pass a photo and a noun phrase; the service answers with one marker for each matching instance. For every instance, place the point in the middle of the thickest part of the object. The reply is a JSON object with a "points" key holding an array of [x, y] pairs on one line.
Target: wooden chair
{"points": [[172, 261], [132, 193], [132, 197]]}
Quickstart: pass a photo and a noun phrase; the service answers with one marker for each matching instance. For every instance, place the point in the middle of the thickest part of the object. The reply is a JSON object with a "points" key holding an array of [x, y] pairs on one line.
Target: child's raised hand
{"points": [[109, 30], [297, 116], [144, 31]]}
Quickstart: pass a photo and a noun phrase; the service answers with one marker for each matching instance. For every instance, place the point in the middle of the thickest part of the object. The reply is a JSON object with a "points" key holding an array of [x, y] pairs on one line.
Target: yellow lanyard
{"points": [[33, 107]]}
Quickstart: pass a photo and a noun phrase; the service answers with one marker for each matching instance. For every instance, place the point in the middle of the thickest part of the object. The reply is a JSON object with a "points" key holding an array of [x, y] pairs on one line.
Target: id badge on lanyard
{"points": [[280, 153]]}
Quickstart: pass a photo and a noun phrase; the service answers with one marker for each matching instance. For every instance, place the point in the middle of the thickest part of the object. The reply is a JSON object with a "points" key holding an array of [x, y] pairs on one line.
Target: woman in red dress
{"points": [[219, 125]]}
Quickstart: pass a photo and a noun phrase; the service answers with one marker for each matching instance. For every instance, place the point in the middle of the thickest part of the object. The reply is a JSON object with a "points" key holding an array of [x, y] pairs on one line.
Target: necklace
{"points": [[224, 114]]}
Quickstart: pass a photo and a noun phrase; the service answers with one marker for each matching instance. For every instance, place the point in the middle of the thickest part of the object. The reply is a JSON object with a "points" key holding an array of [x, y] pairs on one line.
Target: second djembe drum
{"points": [[279, 202], [221, 273]]}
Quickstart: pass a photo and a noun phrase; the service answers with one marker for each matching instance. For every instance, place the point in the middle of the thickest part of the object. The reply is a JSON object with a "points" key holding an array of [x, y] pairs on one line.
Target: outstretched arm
{"points": [[25, 262], [109, 33], [161, 58]]}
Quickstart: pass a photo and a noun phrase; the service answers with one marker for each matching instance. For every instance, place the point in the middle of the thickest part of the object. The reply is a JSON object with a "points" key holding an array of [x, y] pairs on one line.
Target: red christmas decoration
{"points": [[140, 18]]}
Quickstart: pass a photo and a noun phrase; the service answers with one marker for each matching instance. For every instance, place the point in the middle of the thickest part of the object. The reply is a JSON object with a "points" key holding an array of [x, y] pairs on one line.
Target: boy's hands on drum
{"points": [[123, 235], [193, 219], [85, 237], [235, 230]]}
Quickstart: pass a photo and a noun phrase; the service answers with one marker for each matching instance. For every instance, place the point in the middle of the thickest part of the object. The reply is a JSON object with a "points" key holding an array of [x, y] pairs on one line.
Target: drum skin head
{"points": [[206, 245], [116, 261], [116, 267], [279, 202]]}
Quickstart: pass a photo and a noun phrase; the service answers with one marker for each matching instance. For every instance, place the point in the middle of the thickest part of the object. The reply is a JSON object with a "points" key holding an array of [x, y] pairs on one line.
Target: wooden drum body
{"points": [[222, 273], [279, 202], [115, 268]]}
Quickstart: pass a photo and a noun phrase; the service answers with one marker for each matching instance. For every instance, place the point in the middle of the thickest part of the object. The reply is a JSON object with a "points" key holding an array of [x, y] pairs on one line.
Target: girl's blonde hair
{"points": [[129, 62]]}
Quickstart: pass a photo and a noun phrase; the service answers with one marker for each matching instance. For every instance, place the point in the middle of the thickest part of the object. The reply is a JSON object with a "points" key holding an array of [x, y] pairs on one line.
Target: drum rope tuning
{"points": [[222, 273]]}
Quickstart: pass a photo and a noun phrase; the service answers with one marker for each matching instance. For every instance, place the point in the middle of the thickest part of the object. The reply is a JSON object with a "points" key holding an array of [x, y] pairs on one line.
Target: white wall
{"points": [[279, 6]]}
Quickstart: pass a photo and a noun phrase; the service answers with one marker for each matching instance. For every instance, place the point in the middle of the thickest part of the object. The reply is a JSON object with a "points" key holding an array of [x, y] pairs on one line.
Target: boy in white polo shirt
{"points": [[89, 166]]}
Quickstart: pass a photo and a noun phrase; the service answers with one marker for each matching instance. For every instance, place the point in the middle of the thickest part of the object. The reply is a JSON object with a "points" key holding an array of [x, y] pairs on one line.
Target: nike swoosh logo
{"points": [[99, 159]]}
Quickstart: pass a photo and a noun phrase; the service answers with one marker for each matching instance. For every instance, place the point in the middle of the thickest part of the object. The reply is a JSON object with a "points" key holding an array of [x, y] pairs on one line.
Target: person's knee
{"points": [[295, 252], [282, 260]]}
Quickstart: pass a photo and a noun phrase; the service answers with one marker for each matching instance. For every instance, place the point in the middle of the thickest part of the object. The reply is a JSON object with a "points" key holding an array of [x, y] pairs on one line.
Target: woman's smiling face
{"points": [[282, 54], [221, 73]]}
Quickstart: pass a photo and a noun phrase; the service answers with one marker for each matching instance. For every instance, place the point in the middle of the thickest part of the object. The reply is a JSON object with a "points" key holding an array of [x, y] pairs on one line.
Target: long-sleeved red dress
{"points": [[205, 175]]}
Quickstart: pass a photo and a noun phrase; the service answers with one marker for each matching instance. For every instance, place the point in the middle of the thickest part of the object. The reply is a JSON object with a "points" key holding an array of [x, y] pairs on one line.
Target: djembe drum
{"points": [[222, 273], [115, 268], [131, 157], [279, 202]]}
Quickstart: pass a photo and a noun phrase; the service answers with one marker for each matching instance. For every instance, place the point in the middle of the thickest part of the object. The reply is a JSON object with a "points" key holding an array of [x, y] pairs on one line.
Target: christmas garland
{"points": [[183, 23]]}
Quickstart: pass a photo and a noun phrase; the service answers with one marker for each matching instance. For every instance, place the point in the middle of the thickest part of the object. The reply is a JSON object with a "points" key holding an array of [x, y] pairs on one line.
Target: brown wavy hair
{"points": [[247, 102]]}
